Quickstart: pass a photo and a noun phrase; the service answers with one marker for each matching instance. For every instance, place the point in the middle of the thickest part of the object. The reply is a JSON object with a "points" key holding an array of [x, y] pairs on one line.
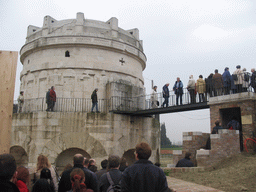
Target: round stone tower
{"points": [[77, 56]]}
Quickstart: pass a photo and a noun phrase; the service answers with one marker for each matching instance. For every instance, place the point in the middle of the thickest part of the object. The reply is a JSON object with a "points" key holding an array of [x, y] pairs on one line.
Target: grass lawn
{"points": [[236, 173]]}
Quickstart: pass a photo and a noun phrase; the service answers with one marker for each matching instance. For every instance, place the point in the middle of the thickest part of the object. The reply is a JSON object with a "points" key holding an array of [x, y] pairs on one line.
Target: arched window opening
{"points": [[67, 54]]}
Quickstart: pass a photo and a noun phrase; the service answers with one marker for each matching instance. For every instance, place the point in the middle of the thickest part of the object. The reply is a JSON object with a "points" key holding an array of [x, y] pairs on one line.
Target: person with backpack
{"points": [[143, 175], [245, 81], [111, 181]]}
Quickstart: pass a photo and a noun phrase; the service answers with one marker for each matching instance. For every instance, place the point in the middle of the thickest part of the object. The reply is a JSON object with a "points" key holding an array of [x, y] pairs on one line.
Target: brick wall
{"points": [[223, 145], [193, 141]]}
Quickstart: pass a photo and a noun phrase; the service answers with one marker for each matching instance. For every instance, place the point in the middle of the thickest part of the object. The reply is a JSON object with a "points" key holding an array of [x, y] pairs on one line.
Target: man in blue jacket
{"points": [[143, 176], [178, 90], [226, 81]]}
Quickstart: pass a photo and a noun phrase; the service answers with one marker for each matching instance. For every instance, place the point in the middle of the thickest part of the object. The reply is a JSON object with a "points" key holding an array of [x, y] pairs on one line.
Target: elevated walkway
{"points": [[171, 109]]}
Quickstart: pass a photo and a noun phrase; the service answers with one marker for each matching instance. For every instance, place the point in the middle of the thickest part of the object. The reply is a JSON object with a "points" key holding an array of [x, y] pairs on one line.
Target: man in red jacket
{"points": [[52, 98]]}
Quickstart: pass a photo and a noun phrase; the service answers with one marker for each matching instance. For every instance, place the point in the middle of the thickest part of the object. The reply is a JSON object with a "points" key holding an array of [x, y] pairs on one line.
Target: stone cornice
{"points": [[84, 41]]}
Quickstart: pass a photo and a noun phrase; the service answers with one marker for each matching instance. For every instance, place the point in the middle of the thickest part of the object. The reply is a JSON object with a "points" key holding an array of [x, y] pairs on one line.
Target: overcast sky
{"points": [[180, 38]]}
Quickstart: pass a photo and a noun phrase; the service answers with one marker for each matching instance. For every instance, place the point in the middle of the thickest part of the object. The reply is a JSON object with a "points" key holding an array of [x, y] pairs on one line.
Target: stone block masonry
{"points": [[59, 135]]}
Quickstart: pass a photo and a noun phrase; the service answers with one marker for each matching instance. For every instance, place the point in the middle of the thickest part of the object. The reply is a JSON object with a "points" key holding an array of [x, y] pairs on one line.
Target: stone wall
{"points": [[60, 135]]}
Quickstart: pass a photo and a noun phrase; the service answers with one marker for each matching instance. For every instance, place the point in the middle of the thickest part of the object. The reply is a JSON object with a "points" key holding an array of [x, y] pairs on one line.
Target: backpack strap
{"points": [[109, 179]]}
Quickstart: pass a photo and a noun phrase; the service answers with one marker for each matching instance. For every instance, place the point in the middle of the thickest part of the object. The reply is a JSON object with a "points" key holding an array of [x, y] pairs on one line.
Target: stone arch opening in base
{"points": [[129, 156], [66, 157], [20, 155], [227, 115]]}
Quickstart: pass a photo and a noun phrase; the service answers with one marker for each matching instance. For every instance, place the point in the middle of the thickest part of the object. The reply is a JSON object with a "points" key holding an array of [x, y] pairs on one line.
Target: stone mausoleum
{"points": [[77, 56]]}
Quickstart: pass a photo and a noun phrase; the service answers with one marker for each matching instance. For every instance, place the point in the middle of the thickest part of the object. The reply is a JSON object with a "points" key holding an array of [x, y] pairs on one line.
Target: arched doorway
{"points": [[20, 155], [129, 156], [66, 157]]}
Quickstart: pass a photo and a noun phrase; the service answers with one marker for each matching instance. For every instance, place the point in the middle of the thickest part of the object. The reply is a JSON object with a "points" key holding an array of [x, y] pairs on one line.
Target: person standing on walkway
{"points": [[253, 79], [200, 87], [239, 77], [143, 175], [246, 80], [191, 89], [209, 85], [226, 81], [217, 83], [178, 90], [94, 98], [20, 101], [153, 98], [166, 95], [48, 100], [52, 98]]}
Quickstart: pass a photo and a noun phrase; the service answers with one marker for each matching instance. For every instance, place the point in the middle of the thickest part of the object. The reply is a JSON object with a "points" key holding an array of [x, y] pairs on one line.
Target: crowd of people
{"points": [[115, 175], [214, 85]]}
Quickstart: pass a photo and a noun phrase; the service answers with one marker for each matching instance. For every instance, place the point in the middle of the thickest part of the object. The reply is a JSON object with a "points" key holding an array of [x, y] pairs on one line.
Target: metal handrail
{"points": [[115, 103]]}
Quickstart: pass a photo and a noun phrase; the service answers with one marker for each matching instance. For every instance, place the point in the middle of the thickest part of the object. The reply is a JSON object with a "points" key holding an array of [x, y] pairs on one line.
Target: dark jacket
{"points": [[234, 124], [8, 186], [165, 91], [217, 81], [253, 79], [115, 175], [185, 163], [226, 78], [122, 167], [48, 97], [143, 176], [209, 84], [215, 129], [90, 179], [94, 96], [100, 173], [178, 85]]}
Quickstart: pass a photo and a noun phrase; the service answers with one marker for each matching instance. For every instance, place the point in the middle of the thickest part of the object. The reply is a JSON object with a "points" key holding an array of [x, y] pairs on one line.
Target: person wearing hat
{"points": [[239, 78], [20, 101]]}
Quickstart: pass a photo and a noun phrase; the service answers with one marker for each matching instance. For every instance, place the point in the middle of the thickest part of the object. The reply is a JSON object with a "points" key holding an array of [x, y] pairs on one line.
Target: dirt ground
{"points": [[237, 173]]}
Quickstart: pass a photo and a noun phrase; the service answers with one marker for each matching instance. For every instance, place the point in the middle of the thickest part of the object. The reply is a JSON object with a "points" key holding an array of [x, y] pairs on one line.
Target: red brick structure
{"points": [[242, 106]]}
